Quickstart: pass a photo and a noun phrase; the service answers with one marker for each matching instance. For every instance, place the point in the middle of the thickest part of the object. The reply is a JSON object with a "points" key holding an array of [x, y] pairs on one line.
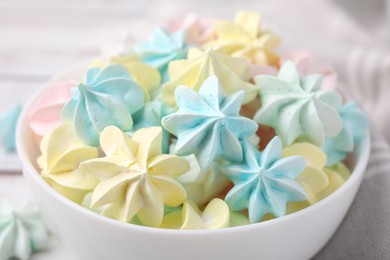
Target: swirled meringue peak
{"points": [[161, 49], [244, 38], [296, 107], [233, 74], [264, 182], [215, 216], [8, 122], [45, 114], [355, 125], [135, 176], [62, 152], [198, 30], [22, 232], [109, 96], [208, 124], [144, 75]]}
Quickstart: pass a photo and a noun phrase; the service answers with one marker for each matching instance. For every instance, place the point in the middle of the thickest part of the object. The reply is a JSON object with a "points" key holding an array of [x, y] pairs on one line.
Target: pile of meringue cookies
{"points": [[203, 126]]}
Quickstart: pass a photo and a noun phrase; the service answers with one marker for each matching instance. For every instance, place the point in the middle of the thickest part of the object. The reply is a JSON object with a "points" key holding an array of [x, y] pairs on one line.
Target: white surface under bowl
{"points": [[90, 236]]}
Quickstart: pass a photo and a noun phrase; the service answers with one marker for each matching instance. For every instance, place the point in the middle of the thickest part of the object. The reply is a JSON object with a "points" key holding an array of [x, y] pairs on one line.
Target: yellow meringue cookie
{"points": [[337, 175], [244, 38], [62, 152], [216, 215], [146, 76], [233, 74], [135, 176], [313, 179]]}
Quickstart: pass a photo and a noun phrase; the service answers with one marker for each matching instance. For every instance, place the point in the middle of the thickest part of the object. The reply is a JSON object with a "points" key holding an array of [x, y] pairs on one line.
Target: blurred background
{"points": [[41, 38]]}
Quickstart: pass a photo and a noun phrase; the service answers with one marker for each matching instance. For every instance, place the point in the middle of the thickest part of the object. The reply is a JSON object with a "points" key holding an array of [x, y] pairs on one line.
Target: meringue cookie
{"points": [[314, 178], [161, 49], [108, 97], [208, 124], [22, 232], [135, 176], [198, 30], [233, 74], [296, 107], [264, 182], [45, 114], [336, 175], [62, 152], [355, 125], [215, 216], [151, 115], [144, 75], [307, 63], [244, 38], [203, 185], [8, 122]]}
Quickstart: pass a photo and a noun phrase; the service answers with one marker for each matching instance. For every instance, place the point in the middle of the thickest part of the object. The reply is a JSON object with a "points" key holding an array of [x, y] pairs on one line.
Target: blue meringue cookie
{"points": [[108, 97], [297, 108], [208, 124], [355, 125], [8, 122], [22, 232], [151, 115], [162, 48], [264, 182]]}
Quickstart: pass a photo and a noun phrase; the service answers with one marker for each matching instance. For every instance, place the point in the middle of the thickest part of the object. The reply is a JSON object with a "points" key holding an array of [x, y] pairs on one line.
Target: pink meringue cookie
{"points": [[199, 30], [259, 69], [45, 115], [308, 63]]}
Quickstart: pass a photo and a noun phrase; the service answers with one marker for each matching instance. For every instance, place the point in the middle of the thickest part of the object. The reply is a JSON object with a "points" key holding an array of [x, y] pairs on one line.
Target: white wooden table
{"points": [[39, 39]]}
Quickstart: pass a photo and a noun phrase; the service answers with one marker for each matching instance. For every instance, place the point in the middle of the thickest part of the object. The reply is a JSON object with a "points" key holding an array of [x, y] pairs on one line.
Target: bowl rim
{"points": [[28, 168]]}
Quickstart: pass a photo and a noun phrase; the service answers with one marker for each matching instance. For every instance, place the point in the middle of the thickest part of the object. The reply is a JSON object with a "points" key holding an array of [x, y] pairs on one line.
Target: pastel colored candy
{"points": [[233, 74], [208, 124], [8, 122], [62, 152], [151, 115], [355, 125], [244, 38], [22, 232], [215, 216], [308, 63], [161, 49], [144, 75], [109, 96], [198, 30], [203, 185], [45, 114], [314, 178], [296, 107], [135, 176], [337, 175], [264, 182]]}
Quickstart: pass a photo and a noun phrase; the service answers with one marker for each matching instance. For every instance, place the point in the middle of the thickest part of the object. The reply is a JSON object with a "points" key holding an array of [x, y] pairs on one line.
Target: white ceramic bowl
{"points": [[90, 236]]}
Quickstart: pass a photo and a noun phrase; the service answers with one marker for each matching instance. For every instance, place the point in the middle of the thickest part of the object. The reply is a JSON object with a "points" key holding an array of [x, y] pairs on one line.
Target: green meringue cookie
{"points": [[297, 108], [22, 232]]}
